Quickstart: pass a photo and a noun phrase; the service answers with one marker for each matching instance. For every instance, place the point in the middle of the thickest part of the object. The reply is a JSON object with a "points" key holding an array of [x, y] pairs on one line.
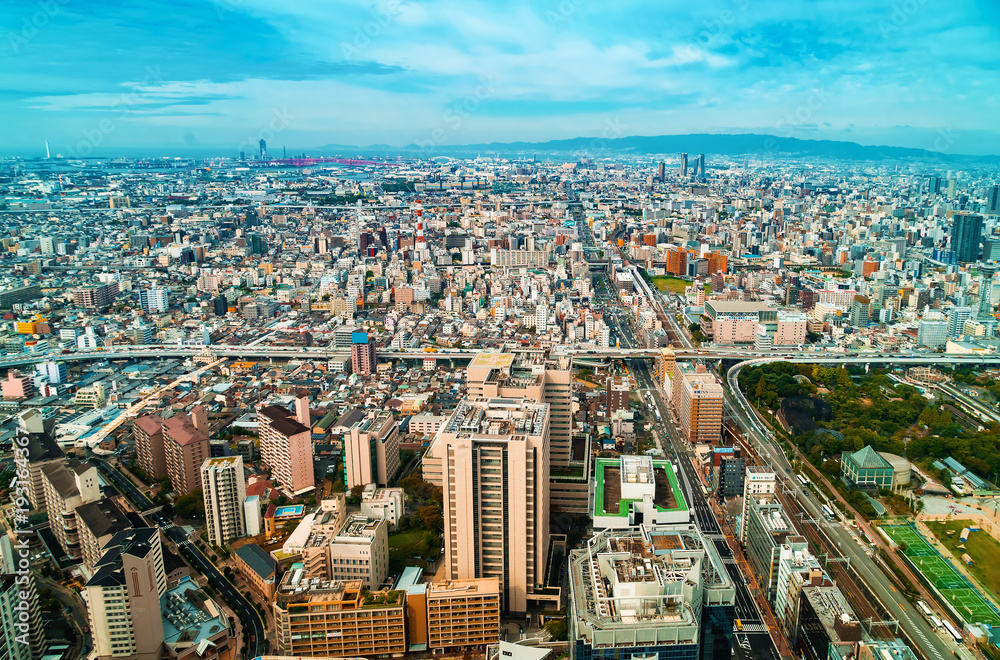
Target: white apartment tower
{"points": [[225, 490]]}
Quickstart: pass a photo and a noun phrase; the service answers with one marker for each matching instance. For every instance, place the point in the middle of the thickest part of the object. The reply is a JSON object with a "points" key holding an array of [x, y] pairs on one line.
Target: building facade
{"points": [[286, 448], [492, 458], [224, 488]]}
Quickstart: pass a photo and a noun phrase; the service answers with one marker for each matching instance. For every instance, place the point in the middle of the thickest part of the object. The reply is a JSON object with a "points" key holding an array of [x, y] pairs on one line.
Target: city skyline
{"points": [[220, 73]]}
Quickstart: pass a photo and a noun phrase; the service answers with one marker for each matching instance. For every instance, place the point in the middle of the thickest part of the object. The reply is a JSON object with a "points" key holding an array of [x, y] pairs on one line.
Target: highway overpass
{"points": [[260, 352]]}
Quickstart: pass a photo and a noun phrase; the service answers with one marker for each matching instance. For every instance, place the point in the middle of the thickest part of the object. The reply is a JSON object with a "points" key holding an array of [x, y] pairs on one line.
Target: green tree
{"points": [[558, 629], [191, 505]]}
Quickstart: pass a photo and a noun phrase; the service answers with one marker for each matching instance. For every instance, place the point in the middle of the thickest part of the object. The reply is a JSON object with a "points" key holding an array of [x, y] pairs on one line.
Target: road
{"points": [[754, 641], [919, 631], [244, 609]]}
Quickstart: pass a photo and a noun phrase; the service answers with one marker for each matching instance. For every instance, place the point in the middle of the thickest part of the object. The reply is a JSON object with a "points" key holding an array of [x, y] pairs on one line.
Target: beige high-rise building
{"points": [[286, 447], [225, 489], [371, 450], [123, 597], [698, 400], [492, 458], [67, 485], [531, 375]]}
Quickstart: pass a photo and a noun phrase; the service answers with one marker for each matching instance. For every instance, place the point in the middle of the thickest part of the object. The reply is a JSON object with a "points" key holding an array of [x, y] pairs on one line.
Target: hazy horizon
{"points": [[220, 74]]}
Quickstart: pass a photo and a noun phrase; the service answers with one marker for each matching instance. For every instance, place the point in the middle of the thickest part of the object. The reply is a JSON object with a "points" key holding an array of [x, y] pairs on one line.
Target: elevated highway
{"points": [[264, 352]]}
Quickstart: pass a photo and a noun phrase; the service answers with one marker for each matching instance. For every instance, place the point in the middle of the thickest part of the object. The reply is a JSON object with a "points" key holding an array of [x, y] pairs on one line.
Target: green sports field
{"points": [[955, 587]]}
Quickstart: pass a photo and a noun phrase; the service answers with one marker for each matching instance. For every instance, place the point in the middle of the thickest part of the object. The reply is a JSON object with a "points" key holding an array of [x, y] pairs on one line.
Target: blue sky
{"points": [[303, 73]]}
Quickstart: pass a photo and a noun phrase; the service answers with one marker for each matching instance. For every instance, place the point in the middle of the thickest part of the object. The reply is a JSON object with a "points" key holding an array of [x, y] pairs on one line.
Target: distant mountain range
{"points": [[746, 144]]}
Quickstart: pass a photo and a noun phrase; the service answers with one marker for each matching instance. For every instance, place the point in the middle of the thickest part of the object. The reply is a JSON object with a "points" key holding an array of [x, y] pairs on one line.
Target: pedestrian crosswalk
{"points": [[752, 627]]}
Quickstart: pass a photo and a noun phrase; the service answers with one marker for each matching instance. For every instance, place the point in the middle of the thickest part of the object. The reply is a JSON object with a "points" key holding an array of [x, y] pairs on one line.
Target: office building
{"points": [[860, 310], [797, 569], [55, 372], [957, 316], [286, 448], [359, 551], [371, 450], [651, 591], [823, 624], [684, 165], [543, 378], [363, 358], [735, 322], [67, 484], [697, 398], [993, 200], [185, 448], [220, 305], [492, 459], [22, 635], [123, 597], [225, 490], [767, 526], [932, 334], [730, 466], [759, 483], [966, 234]]}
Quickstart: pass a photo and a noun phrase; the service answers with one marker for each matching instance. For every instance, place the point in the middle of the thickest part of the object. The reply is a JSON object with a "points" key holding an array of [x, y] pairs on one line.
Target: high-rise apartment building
{"points": [[21, 631], [67, 485], [97, 296], [123, 597], [147, 432], [363, 358], [154, 300], [966, 234], [371, 450], [545, 378], [286, 448], [224, 486], [697, 399], [492, 458], [185, 447]]}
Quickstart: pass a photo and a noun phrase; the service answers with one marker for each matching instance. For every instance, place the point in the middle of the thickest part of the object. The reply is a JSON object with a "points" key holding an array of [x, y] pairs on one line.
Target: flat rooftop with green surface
{"points": [[632, 490]]}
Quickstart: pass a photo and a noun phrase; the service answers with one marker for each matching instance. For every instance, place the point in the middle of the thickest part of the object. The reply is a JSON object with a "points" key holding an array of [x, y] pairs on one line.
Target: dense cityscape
{"points": [[585, 407]]}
